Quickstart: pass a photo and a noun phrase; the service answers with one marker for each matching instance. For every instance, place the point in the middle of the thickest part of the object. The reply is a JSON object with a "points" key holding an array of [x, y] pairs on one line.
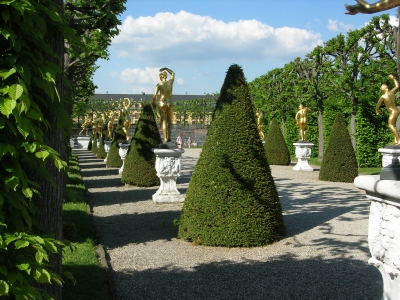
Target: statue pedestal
{"points": [[83, 141], [123, 150], [168, 166], [98, 143], [107, 145], [303, 154], [390, 154], [384, 230]]}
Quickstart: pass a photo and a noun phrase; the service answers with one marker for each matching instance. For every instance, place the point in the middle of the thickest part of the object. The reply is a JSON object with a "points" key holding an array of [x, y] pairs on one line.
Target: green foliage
{"points": [[339, 163], [139, 164], [94, 144], [232, 199], [113, 158], [276, 149]]}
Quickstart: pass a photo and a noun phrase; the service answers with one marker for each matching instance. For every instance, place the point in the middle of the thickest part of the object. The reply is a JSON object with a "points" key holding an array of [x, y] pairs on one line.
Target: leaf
{"points": [[6, 73], [3, 270], [5, 14], [42, 276], [7, 106], [24, 267], [12, 182], [50, 246], [39, 257], [4, 288], [21, 244], [42, 154], [15, 91]]}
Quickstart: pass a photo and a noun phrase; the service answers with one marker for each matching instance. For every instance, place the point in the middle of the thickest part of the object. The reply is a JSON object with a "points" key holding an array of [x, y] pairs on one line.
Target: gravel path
{"points": [[323, 256]]}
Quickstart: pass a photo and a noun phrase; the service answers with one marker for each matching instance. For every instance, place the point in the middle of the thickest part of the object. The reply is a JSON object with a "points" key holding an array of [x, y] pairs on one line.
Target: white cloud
{"points": [[334, 25], [185, 37], [393, 20]]}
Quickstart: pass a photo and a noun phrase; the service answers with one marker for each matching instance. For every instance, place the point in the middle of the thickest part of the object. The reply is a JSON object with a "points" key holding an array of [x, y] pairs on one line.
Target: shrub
{"points": [[232, 199], [101, 152], [339, 162], [139, 165], [113, 159], [275, 146], [94, 143]]}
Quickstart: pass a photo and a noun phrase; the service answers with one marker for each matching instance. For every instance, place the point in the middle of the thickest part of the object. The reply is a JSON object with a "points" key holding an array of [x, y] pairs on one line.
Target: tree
{"points": [[139, 164], [339, 163], [232, 199], [276, 150]]}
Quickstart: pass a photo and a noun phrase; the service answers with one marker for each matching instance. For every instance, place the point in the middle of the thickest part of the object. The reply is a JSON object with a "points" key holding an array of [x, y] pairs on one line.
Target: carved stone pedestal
{"points": [[83, 142], [168, 166], [123, 150], [390, 154], [303, 154], [107, 145], [384, 230]]}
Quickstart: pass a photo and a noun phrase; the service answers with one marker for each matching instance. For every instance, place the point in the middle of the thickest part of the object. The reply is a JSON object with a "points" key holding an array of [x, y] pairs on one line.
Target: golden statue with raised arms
{"points": [[165, 102], [365, 8]]}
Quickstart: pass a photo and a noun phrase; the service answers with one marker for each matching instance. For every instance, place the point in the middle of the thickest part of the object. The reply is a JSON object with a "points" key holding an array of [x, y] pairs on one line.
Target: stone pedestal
{"points": [[123, 150], [168, 166], [107, 145], [72, 142], [390, 154], [303, 154], [384, 230], [83, 141], [98, 143]]}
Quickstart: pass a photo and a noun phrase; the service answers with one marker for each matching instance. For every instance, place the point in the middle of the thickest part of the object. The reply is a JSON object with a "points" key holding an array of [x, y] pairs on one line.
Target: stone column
{"points": [[107, 145], [168, 166], [123, 150], [390, 154], [303, 154], [384, 230]]}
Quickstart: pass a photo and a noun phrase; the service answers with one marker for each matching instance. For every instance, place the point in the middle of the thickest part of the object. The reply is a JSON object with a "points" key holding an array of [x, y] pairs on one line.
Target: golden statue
{"points": [[94, 123], [260, 116], [125, 114], [388, 98], [110, 124], [366, 8], [85, 125], [165, 103], [301, 120], [100, 123]]}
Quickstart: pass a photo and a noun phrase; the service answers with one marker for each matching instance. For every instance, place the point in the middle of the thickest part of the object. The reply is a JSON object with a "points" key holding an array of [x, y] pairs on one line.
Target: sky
{"points": [[199, 40]]}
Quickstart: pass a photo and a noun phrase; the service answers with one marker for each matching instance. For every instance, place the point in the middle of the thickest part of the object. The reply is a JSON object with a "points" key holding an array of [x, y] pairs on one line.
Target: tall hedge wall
{"points": [[232, 199]]}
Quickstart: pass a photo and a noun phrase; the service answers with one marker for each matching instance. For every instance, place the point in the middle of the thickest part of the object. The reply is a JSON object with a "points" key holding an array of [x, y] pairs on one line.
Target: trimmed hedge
{"points": [[113, 159], [275, 146], [139, 165], [94, 144], [232, 199], [101, 152], [339, 163]]}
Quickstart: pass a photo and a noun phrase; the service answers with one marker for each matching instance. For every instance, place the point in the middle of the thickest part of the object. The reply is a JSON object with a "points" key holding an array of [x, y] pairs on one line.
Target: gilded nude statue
{"points": [[260, 115], [125, 114], [110, 124], [388, 98], [85, 125], [165, 103], [301, 121]]}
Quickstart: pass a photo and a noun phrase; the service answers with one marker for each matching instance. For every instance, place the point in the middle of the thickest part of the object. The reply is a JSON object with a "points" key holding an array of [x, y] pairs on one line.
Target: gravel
{"points": [[323, 255]]}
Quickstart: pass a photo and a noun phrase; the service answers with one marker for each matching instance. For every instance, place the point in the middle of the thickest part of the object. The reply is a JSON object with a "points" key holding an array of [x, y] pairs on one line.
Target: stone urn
{"points": [[123, 151], [107, 146], [303, 154]]}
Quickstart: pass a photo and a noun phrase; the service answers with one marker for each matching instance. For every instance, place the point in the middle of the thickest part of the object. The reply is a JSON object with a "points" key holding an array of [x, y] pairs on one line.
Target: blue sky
{"points": [[199, 40]]}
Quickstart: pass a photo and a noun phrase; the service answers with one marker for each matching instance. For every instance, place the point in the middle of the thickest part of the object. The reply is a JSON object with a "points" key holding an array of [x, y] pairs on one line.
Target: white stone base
{"points": [[389, 155], [303, 154], [123, 151], [83, 141], [384, 230], [107, 146], [168, 166]]}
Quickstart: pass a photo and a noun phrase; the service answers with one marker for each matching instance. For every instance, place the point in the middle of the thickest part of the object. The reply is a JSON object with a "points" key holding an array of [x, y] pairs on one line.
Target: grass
{"points": [[83, 263], [361, 171]]}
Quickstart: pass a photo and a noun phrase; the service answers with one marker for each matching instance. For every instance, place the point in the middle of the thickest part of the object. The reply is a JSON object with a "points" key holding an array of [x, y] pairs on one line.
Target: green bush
{"points": [[113, 159], [139, 165], [94, 144], [232, 199], [275, 146], [101, 152], [339, 163]]}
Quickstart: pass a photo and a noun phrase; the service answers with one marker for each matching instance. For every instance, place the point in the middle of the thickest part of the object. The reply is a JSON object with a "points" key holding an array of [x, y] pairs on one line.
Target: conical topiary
{"points": [[339, 162], [113, 159], [275, 146], [139, 164], [101, 152], [94, 144], [232, 199]]}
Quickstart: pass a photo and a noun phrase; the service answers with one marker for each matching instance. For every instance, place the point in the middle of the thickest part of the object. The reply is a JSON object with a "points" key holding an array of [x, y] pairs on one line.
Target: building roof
{"points": [[141, 97]]}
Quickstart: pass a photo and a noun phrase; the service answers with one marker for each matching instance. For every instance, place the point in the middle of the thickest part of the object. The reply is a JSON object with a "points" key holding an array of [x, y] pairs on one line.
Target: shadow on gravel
{"points": [[136, 228], [101, 172], [121, 196], [97, 165], [103, 183], [285, 277]]}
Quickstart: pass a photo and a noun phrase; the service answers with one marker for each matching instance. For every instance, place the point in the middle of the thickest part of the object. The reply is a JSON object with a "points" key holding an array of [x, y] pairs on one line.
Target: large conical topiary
{"points": [[101, 152], [339, 162], [94, 144], [275, 146], [139, 164], [113, 158], [232, 199]]}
